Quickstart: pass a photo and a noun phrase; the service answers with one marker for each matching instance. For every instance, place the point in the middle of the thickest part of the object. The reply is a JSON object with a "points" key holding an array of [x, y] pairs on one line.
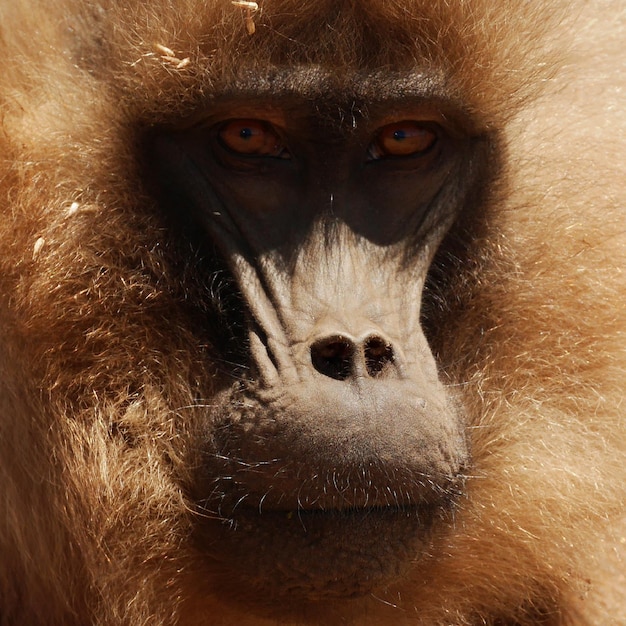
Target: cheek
{"points": [[261, 196], [266, 209]]}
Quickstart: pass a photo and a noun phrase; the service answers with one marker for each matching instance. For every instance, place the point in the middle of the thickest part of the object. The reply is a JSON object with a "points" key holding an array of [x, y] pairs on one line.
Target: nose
{"points": [[343, 357]]}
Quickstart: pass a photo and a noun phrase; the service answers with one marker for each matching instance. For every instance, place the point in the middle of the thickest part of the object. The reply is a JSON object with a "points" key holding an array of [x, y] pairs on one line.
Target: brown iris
{"points": [[403, 139], [252, 138]]}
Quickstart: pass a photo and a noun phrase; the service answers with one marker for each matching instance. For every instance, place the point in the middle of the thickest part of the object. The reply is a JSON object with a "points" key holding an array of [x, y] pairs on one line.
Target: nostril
{"points": [[378, 356], [334, 357]]}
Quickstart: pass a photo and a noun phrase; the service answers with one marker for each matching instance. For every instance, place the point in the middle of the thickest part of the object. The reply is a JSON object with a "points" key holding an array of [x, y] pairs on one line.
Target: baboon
{"points": [[312, 312]]}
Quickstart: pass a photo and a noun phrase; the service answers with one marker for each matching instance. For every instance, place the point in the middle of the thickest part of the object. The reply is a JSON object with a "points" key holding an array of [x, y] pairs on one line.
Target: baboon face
{"points": [[310, 311], [333, 448]]}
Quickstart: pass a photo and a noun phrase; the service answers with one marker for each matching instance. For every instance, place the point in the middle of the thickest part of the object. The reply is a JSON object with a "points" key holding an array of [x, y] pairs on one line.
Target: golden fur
{"points": [[102, 361]]}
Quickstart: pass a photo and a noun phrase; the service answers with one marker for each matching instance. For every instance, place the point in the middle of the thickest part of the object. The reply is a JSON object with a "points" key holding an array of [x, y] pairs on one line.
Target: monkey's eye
{"points": [[252, 138], [403, 139]]}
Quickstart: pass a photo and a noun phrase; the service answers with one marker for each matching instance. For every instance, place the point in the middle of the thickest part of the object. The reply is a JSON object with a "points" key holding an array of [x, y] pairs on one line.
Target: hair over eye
{"points": [[403, 139], [249, 137]]}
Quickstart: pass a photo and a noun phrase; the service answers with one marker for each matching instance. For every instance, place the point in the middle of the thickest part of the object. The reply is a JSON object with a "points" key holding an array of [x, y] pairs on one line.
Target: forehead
{"points": [[319, 84], [324, 93]]}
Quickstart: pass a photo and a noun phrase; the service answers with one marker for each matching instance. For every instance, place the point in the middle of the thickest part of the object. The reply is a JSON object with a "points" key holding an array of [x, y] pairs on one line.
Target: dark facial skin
{"points": [[334, 449]]}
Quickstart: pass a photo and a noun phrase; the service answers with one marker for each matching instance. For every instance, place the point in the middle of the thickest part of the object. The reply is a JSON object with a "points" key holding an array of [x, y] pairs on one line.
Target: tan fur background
{"points": [[101, 363]]}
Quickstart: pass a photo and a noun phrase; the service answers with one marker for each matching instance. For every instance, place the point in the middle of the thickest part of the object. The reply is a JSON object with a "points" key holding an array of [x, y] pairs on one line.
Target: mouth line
{"points": [[360, 504], [348, 509], [420, 515]]}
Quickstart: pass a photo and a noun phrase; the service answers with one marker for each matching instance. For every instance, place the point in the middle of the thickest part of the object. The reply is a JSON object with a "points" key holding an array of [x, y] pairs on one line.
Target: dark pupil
{"points": [[399, 135], [245, 133]]}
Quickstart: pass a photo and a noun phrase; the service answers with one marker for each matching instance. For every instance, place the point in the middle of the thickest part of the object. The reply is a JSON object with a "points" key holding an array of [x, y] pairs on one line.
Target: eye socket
{"points": [[403, 139], [252, 138]]}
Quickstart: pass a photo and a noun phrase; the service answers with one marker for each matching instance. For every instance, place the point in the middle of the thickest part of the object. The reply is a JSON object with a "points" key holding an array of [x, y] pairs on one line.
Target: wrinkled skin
{"points": [[311, 313]]}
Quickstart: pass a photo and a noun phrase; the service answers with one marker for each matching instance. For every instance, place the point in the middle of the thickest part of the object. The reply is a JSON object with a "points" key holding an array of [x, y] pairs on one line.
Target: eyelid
{"points": [[249, 137], [403, 139]]}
